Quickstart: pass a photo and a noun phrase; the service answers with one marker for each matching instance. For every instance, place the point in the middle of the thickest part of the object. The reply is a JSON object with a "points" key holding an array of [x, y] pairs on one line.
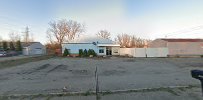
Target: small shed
{"points": [[33, 48]]}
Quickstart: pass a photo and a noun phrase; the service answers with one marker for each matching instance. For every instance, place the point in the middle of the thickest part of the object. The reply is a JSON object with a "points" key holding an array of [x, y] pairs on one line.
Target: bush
{"points": [[11, 46], [94, 53], [18, 46], [91, 52], [65, 53], [5, 46], [85, 54], [81, 54]]}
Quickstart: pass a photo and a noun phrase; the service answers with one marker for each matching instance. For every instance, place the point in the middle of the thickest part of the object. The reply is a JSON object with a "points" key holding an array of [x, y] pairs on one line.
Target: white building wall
{"points": [[74, 48], [32, 49], [115, 50], [25, 51]]}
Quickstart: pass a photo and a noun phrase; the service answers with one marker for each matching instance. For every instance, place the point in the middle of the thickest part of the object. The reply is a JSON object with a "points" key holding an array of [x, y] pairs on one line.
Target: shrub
{"points": [[18, 46], [81, 53], [65, 53], [94, 53], [89, 52], [11, 46], [5, 46], [85, 54]]}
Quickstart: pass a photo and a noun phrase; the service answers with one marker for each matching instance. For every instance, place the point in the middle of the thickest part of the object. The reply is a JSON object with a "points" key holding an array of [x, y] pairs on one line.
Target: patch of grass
{"points": [[11, 63]]}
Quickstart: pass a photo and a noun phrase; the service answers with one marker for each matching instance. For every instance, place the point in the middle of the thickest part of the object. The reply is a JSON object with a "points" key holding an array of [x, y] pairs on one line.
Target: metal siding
{"points": [[32, 51]]}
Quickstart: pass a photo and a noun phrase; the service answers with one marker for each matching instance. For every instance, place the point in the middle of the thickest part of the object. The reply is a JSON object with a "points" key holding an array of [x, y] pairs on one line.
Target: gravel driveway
{"points": [[78, 74]]}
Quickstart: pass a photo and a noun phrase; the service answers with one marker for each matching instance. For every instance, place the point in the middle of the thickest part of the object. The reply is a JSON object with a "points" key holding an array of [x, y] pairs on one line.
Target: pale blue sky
{"points": [[143, 18]]}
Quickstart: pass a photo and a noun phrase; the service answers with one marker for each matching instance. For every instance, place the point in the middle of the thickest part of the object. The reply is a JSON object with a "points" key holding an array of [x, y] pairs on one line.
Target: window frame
{"points": [[101, 50]]}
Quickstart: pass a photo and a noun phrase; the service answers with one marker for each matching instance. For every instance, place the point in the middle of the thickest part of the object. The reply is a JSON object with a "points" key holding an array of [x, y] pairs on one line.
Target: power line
{"points": [[185, 31]]}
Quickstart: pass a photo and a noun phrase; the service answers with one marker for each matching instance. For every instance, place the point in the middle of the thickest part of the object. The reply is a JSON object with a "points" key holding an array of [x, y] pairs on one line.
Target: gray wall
{"points": [[32, 49], [185, 48]]}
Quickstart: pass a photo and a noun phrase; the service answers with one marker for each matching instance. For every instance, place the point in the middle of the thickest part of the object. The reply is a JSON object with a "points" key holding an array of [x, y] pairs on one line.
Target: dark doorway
{"points": [[108, 51]]}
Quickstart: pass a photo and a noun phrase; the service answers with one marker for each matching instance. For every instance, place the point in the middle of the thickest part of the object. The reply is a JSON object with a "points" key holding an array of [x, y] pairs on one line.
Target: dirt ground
{"points": [[115, 74]]}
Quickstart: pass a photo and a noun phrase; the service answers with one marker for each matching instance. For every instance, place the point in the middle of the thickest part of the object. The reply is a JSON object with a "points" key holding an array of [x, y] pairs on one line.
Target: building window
{"points": [[101, 50]]}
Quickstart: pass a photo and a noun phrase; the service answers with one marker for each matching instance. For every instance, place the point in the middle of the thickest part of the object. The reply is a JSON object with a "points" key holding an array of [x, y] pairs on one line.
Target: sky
{"points": [[149, 19]]}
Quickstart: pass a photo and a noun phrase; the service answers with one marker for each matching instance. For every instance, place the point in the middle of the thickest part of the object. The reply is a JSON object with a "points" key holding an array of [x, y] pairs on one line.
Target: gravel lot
{"points": [[77, 74], [16, 57]]}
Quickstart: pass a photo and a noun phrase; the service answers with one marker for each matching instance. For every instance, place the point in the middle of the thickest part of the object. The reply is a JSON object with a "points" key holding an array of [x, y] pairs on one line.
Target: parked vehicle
{"points": [[12, 53], [3, 53]]}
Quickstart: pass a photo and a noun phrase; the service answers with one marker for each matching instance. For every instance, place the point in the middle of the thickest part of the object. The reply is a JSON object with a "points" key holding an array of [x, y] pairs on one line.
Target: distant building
{"points": [[33, 48], [100, 45], [180, 46]]}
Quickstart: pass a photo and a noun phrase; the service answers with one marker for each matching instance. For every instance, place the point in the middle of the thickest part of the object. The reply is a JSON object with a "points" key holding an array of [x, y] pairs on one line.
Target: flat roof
{"points": [[108, 45], [183, 40]]}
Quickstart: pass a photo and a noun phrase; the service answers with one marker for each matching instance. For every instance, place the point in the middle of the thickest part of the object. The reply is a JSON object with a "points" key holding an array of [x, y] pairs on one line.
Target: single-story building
{"points": [[187, 47], [100, 45], [33, 48]]}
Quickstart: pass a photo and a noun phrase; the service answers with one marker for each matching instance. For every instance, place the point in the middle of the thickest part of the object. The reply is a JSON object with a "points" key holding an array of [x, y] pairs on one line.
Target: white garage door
{"points": [[25, 51], [38, 51]]}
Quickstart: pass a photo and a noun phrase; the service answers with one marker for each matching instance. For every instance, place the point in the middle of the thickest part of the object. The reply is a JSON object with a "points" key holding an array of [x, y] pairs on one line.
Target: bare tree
{"points": [[58, 31], [124, 40], [63, 30], [130, 41], [14, 36], [140, 43], [50, 38], [74, 29], [104, 34]]}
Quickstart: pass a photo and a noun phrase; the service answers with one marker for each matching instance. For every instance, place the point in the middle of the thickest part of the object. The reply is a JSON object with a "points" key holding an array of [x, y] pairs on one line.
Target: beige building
{"points": [[180, 46]]}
